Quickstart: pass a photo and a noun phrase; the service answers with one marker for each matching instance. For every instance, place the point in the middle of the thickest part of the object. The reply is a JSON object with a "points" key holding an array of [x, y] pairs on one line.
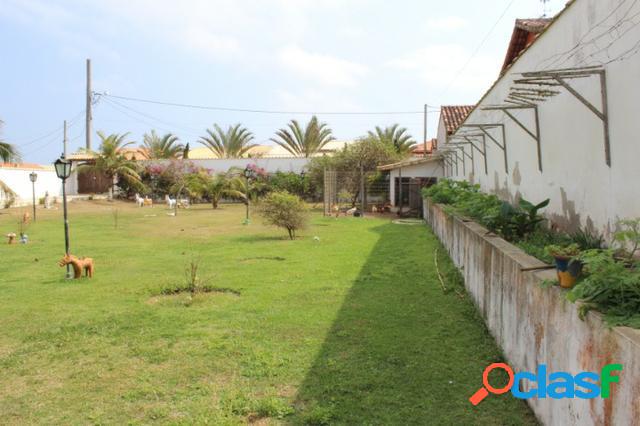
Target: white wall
{"points": [[424, 170], [584, 191], [271, 165], [18, 180]]}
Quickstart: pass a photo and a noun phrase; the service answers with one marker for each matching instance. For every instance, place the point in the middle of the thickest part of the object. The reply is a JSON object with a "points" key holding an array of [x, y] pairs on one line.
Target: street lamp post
{"points": [[248, 174], [63, 170], [33, 177]]}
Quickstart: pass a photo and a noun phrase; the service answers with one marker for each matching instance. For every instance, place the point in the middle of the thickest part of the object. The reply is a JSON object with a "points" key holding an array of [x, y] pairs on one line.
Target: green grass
{"points": [[351, 329]]}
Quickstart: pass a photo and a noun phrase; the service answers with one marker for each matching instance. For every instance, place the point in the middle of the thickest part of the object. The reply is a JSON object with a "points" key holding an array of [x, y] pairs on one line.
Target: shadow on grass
{"points": [[400, 350]]}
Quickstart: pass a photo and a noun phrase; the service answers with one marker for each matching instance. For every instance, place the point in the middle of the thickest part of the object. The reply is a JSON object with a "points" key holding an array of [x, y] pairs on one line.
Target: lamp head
{"points": [[63, 168]]}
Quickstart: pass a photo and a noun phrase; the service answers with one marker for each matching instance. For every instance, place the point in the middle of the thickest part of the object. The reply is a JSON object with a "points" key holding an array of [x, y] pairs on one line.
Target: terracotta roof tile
{"points": [[524, 33], [454, 115]]}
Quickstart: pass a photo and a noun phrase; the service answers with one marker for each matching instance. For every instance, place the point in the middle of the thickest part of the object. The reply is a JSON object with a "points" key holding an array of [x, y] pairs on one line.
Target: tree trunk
{"points": [[214, 202]]}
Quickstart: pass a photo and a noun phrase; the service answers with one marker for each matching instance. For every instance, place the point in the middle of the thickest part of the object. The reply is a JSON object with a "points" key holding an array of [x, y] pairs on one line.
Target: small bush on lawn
{"points": [[286, 211]]}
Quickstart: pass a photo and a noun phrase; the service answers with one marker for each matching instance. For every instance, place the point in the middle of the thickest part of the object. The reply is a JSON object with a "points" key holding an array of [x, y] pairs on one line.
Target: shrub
{"points": [[609, 286], [290, 182], [284, 210]]}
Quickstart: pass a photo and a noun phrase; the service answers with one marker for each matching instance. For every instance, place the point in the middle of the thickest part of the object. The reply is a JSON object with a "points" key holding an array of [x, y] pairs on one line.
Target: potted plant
{"points": [[567, 264]]}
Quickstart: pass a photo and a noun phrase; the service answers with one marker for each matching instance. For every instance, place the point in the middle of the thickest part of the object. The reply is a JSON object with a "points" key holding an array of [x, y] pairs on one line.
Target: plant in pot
{"points": [[567, 264], [627, 238]]}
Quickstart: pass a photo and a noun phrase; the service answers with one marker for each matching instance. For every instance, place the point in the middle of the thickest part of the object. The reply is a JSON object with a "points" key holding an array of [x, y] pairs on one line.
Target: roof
{"points": [[419, 148], [524, 34], [411, 162], [454, 115], [25, 166], [553, 21]]}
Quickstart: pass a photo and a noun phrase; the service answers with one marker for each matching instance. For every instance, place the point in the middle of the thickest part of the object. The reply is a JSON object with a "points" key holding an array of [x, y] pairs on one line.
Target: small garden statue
{"points": [[24, 238], [79, 265], [11, 236], [47, 200]]}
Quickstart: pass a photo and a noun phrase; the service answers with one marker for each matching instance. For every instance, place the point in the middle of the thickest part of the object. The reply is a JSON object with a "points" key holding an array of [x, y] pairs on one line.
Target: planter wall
{"points": [[535, 325]]}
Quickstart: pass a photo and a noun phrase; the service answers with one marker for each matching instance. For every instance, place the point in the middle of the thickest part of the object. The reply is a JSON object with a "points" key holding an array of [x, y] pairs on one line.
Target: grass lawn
{"points": [[351, 329]]}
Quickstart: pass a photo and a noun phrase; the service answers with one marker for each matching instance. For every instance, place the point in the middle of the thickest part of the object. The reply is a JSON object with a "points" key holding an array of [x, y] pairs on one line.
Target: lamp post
{"points": [[33, 177], [63, 170], [248, 174]]}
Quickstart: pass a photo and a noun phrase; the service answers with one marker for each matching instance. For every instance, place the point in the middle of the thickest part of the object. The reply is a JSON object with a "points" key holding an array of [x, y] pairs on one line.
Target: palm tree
{"points": [[232, 143], [8, 152], [158, 147], [396, 136], [304, 143], [111, 161]]}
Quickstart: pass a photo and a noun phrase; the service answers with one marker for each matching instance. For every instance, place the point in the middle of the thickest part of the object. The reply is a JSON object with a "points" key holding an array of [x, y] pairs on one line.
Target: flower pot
{"points": [[568, 270]]}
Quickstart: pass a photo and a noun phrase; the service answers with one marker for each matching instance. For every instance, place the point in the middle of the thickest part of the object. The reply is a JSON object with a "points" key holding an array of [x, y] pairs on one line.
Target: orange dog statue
{"points": [[85, 264]]}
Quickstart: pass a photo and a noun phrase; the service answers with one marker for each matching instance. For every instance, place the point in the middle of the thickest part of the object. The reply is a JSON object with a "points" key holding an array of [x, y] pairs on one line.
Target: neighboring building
{"points": [[419, 150], [524, 34], [267, 151], [567, 101], [408, 177], [16, 178], [451, 116]]}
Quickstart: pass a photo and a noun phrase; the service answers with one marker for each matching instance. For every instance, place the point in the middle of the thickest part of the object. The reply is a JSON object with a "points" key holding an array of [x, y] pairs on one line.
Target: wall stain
{"points": [[517, 177]]}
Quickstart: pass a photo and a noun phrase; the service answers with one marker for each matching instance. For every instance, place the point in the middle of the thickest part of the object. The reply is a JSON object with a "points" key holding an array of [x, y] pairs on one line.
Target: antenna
{"points": [[545, 8]]}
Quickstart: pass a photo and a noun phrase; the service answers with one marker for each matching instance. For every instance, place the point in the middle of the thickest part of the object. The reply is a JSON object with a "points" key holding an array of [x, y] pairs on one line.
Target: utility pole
{"points": [[424, 143], [89, 116], [64, 140]]}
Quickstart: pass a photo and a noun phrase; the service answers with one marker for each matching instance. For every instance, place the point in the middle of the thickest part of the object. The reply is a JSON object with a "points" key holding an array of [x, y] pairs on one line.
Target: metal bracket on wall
{"points": [[535, 134], [461, 147], [484, 128], [467, 139], [538, 86]]}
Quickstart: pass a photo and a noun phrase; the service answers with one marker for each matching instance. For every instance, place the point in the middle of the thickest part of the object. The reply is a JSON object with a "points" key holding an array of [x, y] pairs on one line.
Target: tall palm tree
{"points": [[235, 142], [158, 147], [396, 136], [8, 152], [111, 161], [304, 143]]}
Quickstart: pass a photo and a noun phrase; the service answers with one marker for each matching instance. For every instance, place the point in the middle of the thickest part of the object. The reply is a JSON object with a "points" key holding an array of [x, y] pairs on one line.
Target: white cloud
{"points": [[215, 45], [438, 66], [323, 69], [446, 23]]}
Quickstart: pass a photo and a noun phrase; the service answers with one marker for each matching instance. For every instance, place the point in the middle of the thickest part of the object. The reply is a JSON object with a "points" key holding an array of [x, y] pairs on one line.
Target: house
{"points": [[559, 121], [408, 177], [451, 116]]}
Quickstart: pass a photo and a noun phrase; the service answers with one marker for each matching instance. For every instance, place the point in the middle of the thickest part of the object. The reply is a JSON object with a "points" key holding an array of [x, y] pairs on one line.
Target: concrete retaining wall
{"points": [[535, 325]]}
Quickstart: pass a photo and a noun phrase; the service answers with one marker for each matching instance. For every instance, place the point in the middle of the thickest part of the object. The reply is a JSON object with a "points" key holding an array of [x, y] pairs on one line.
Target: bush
{"points": [[610, 286], [291, 182], [284, 210]]}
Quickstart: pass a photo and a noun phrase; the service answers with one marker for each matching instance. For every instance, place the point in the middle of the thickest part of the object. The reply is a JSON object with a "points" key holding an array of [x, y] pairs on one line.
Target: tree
{"points": [[8, 152], [232, 143], [162, 147], [395, 136], [286, 211], [111, 161], [304, 143], [366, 155]]}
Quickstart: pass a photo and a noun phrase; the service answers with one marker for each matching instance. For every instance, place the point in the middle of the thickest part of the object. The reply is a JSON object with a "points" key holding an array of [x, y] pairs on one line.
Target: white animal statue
{"points": [[171, 202], [139, 201], [47, 200], [183, 203]]}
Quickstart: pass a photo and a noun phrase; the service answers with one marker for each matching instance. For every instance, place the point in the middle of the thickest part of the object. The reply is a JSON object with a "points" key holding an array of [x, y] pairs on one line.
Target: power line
{"points": [[256, 111], [475, 52]]}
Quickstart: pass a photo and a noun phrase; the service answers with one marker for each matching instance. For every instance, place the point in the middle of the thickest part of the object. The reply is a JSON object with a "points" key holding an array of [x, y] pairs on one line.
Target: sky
{"points": [[296, 56]]}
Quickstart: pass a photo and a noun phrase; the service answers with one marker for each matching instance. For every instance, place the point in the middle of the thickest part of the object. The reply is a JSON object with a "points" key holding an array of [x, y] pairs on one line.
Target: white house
{"points": [[16, 178], [560, 122]]}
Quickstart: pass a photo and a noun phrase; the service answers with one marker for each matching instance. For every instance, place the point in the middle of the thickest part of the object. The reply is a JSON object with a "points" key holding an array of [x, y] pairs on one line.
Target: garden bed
{"points": [[536, 325]]}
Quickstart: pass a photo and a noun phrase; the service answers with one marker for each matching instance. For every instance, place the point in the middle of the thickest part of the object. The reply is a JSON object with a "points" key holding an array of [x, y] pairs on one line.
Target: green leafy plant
{"points": [[286, 211], [568, 251], [609, 286], [587, 240], [515, 223], [628, 237]]}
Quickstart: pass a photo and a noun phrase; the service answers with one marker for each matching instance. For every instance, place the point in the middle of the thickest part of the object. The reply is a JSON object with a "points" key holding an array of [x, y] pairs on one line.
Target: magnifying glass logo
{"points": [[483, 392]]}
